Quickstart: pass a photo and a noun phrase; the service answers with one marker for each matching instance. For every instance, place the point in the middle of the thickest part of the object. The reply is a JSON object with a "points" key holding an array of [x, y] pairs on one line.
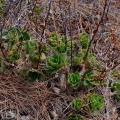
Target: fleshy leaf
{"points": [[96, 102], [88, 84], [84, 39], [74, 79], [96, 112], [75, 117], [34, 75], [88, 75], [55, 63], [96, 82], [26, 36], [14, 56], [77, 103]]}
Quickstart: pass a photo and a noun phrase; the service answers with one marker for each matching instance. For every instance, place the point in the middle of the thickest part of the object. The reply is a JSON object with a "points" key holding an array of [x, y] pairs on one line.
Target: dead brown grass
{"points": [[38, 100]]}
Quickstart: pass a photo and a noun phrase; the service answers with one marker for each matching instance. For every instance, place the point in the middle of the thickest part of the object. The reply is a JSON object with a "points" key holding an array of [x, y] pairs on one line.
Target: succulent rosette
{"points": [[77, 103], [96, 103], [74, 79], [55, 63], [75, 117], [13, 56]]}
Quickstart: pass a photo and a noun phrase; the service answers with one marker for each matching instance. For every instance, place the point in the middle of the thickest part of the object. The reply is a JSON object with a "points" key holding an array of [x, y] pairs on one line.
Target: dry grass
{"points": [[45, 101]]}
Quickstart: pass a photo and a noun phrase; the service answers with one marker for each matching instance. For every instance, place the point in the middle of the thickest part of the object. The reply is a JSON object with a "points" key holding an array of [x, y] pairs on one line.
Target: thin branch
{"points": [[101, 20], [69, 12], [46, 21], [39, 49], [63, 16]]}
